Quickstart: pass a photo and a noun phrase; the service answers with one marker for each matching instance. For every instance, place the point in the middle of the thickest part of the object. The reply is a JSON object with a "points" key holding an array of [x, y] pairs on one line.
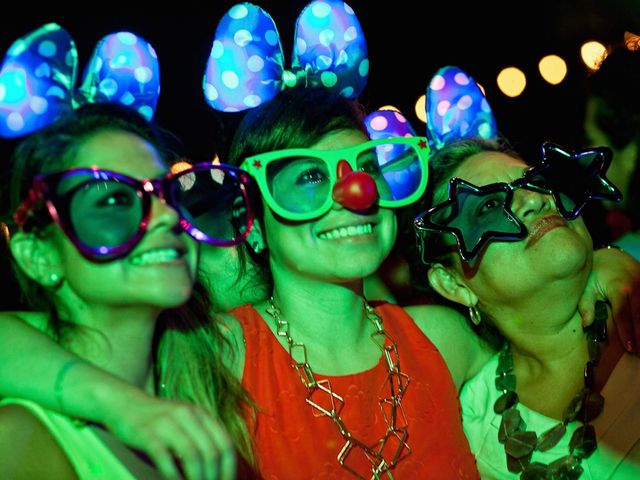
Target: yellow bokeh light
{"points": [[389, 107], [180, 166], [4, 229], [553, 69], [592, 54], [420, 108], [216, 159], [511, 81]]}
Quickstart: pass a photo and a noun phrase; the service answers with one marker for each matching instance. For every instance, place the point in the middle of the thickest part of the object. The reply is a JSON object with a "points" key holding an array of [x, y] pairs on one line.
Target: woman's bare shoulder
{"points": [[27, 448]]}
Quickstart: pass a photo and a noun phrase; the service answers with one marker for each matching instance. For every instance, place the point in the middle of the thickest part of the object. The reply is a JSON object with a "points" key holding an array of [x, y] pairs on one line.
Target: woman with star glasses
{"points": [[475, 215], [509, 246], [101, 252]]}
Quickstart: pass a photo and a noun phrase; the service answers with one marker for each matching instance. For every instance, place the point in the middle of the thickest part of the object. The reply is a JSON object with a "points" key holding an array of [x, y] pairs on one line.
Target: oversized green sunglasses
{"points": [[303, 183]]}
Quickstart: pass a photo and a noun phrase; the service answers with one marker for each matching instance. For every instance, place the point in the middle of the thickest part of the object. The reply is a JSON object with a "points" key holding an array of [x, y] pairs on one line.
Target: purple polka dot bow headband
{"points": [[38, 77], [246, 64]]}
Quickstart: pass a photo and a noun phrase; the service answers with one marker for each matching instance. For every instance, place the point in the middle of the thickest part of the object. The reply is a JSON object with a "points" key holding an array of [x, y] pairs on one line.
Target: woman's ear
{"points": [[450, 285], [37, 258]]}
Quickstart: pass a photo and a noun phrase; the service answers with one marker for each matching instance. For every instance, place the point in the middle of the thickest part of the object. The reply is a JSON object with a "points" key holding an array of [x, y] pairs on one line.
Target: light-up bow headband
{"points": [[246, 64], [38, 78], [455, 108]]}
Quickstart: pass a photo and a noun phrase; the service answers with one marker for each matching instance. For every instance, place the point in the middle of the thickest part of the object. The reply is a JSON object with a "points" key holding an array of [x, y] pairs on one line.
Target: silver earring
{"points": [[474, 315], [55, 280]]}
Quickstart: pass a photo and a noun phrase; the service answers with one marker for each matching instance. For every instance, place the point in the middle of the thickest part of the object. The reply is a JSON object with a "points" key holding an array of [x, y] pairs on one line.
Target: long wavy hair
{"points": [[189, 346]]}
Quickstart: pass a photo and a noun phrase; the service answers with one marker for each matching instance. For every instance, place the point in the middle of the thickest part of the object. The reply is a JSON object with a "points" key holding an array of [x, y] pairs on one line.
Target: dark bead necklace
{"points": [[519, 443]]}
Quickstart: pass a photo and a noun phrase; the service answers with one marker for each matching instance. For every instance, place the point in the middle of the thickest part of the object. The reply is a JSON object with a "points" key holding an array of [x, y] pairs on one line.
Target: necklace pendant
{"points": [[583, 442], [535, 471], [324, 400], [394, 446], [567, 467], [551, 437]]}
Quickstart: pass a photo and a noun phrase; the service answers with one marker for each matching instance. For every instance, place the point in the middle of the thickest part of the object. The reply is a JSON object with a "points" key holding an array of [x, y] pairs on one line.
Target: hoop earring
{"points": [[474, 315]]}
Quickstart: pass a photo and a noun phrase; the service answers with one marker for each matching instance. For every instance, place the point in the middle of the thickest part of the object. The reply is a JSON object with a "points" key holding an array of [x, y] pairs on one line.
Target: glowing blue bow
{"points": [[455, 108], [246, 64], [38, 76]]}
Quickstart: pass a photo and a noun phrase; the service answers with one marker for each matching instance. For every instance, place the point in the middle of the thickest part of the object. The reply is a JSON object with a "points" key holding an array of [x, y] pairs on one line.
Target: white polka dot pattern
{"points": [[38, 75], [246, 64], [388, 124], [456, 108]]}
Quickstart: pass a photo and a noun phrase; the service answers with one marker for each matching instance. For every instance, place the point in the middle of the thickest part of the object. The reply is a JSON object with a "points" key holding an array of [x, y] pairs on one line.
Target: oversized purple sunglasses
{"points": [[105, 214]]}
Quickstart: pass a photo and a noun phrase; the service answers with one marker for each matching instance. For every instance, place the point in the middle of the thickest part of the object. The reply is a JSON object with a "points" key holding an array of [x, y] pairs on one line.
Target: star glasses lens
{"points": [[475, 215], [213, 203], [574, 180]]}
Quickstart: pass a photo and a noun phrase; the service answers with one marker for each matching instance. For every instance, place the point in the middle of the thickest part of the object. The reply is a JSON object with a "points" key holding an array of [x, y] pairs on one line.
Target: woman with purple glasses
{"points": [[103, 249]]}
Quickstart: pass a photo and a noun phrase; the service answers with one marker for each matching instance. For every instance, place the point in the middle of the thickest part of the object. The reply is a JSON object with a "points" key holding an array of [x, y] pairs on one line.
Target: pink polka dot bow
{"points": [[38, 77], [246, 64]]}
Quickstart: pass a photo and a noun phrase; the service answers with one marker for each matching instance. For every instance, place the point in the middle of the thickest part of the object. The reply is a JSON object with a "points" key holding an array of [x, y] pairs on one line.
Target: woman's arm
{"points": [[36, 368]]}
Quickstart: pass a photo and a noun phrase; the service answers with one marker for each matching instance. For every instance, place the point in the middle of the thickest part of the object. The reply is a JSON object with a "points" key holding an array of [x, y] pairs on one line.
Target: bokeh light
{"points": [[420, 108], [553, 69], [592, 53], [511, 81]]}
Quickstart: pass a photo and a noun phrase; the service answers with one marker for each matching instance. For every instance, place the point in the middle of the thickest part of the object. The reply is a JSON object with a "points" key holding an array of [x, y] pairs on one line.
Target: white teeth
{"points": [[162, 255], [344, 232]]}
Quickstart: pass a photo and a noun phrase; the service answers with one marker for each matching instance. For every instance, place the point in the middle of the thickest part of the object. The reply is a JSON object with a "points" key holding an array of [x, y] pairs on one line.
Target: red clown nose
{"points": [[354, 190]]}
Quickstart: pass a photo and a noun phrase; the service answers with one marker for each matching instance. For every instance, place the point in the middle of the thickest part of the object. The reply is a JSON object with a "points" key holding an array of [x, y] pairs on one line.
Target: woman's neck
{"points": [[118, 340], [329, 319], [549, 365]]}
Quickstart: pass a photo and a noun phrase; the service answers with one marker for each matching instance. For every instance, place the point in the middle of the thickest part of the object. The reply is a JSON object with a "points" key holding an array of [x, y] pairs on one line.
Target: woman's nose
{"points": [[354, 190], [526, 203], [162, 214]]}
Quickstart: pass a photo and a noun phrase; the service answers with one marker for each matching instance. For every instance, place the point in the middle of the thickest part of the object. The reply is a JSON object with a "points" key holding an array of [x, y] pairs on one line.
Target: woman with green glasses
{"points": [[341, 383]]}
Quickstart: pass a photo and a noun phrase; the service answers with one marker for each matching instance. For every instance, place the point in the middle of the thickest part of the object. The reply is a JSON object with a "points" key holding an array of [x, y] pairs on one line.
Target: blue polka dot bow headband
{"points": [[38, 77], [455, 108], [246, 64]]}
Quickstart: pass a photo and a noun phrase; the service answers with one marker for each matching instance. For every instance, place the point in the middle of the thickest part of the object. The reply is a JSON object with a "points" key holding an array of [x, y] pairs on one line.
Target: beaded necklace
{"points": [[325, 402], [519, 443]]}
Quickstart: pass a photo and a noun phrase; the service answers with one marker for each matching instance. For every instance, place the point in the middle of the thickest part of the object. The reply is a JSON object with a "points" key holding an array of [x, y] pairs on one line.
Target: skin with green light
{"points": [[548, 344], [101, 319], [323, 292]]}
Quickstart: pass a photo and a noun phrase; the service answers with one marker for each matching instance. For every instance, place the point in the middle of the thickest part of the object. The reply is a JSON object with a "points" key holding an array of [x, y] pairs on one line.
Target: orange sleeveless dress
{"points": [[292, 443]]}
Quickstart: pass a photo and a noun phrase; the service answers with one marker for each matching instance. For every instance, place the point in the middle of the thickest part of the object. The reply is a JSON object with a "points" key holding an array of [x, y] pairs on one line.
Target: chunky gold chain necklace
{"points": [[519, 443], [392, 446]]}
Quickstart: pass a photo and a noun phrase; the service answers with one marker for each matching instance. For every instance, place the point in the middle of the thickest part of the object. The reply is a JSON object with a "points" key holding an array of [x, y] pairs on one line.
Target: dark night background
{"points": [[407, 42]]}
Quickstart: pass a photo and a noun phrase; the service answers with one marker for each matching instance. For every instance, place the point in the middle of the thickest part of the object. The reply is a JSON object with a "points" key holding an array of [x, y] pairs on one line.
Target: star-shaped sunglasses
{"points": [[475, 215]]}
